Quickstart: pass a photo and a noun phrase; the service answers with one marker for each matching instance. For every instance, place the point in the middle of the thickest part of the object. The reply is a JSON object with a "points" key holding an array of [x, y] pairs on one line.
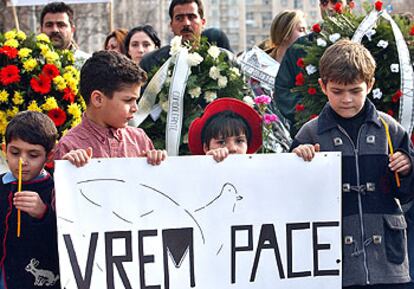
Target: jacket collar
{"points": [[326, 119]]}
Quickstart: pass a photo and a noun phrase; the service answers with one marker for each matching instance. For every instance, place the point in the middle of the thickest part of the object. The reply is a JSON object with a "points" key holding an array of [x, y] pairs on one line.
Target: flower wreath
{"points": [[380, 41], [35, 76], [213, 75]]}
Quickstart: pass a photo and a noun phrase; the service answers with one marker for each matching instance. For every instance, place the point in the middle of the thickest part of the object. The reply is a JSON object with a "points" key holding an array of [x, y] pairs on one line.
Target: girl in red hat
{"points": [[228, 126]]}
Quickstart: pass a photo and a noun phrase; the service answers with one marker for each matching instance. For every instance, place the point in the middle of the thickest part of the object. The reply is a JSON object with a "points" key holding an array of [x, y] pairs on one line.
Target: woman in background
{"points": [[141, 40], [115, 40]]}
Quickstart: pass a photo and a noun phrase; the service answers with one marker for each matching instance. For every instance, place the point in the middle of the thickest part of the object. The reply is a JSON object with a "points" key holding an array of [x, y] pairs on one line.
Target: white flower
{"points": [[175, 45], [334, 37], [249, 100], [195, 92], [370, 33], [209, 96], [383, 44], [235, 70], [165, 106], [311, 69], [395, 68], [377, 93], [213, 51], [194, 59], [321, 42], [222, 82], [214, 72]]}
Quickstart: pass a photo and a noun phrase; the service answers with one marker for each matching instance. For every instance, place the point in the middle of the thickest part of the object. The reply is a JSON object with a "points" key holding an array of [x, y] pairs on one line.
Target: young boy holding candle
{"points": [[110, 84], [29, 260], [373, 177]]}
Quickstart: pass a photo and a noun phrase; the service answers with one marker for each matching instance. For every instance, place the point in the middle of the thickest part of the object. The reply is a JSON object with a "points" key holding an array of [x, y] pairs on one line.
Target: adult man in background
{"points": [[56, 21]]}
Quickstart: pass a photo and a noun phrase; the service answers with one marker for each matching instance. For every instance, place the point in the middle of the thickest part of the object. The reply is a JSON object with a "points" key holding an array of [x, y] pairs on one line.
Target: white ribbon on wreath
{"points": [[406, 113]]}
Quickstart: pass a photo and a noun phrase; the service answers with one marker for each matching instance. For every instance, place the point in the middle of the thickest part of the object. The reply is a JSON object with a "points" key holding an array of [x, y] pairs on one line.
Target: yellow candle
{"points": [[19, 189]]}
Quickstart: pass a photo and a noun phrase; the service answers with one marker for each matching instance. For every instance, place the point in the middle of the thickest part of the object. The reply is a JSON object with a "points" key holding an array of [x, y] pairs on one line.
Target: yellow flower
{"points": [[43, 48], [24, 52], [3, 122], [10, 34], [73, 84], [33, 106], [12, 43], [51, 56], [4, 96], [74, 110], [69, 55], [21, 35], [43, 37], [18, 98], [30, 64], [12, 112], [64, 132], [60, 83], [75, 122], [50, 103]]}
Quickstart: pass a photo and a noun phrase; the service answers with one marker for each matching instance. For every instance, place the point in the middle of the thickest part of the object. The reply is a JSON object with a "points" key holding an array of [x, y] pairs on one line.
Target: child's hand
{"points": [[400, 163], [218, 154], [155, 157], [307, 151], [79, 157], [30, 202]]}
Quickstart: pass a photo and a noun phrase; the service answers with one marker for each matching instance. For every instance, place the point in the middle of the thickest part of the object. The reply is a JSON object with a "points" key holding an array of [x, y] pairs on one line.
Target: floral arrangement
{"points": [[380, 41], [213, 75], [35, 76]]}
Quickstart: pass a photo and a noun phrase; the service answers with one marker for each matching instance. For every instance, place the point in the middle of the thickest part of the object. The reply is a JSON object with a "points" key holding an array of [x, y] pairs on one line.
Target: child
{"points": [[31, 260], [110, 84], [228, 126], [373, 225]]}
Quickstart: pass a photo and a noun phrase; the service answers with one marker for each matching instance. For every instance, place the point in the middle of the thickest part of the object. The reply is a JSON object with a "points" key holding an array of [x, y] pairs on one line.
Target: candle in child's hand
{"points": [[19, 189]]}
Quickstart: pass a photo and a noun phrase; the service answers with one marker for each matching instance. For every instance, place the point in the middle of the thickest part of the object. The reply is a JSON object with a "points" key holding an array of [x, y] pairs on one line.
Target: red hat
{"points": [[252, 118]]}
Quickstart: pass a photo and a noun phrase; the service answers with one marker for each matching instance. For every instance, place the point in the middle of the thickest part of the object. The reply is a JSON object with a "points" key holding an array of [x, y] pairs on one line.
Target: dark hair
{"points": [[182, 2], [119, 34], [225, 124], [32, 127], [217, 37], [57, 7], [147, 29], [109, 71]]}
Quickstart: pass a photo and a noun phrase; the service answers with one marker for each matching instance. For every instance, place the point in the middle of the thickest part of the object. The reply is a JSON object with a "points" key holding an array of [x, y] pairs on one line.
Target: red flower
{"points": [[300, 63], [390, 112], [378, 5], [351, 4], [338, 7], [300, 79], [42, 84], [313, 116], [50, 70], [397, 95], [57, 115], [412, 31], [299, 107], [312, 90], [9, 74], [68, 95], [316, 28], [10, 52]]}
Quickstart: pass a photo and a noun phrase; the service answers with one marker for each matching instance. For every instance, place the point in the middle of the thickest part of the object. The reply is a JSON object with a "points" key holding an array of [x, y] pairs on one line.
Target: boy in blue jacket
{"points": [[373, 225], [31, 260]]}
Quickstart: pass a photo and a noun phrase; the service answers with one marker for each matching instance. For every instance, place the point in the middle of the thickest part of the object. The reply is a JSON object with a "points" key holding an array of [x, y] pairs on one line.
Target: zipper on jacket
{"points": [[361, 219]]}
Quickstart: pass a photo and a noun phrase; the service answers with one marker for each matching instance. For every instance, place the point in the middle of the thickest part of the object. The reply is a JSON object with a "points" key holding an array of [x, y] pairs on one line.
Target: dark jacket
{"points": [[373, 225], [283, 98], [155, 59], [30, 261]]}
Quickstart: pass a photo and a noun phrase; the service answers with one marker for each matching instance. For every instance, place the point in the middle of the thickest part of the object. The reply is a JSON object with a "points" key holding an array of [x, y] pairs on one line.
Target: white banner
{"points": [[251, 221], [44, 2]]}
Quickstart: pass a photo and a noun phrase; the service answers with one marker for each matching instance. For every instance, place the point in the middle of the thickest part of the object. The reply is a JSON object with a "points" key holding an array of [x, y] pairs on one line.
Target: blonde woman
{"points": [[286, 27]]}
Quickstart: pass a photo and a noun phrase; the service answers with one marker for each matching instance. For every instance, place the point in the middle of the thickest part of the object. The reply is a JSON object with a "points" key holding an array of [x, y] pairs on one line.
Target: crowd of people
{"points": [[375, 183]]}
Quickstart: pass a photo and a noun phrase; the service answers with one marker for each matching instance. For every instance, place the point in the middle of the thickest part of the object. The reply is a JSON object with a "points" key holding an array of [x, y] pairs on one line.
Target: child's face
{"points": [[235, 144], [33, 156], [118, 110], [347, 100]]}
